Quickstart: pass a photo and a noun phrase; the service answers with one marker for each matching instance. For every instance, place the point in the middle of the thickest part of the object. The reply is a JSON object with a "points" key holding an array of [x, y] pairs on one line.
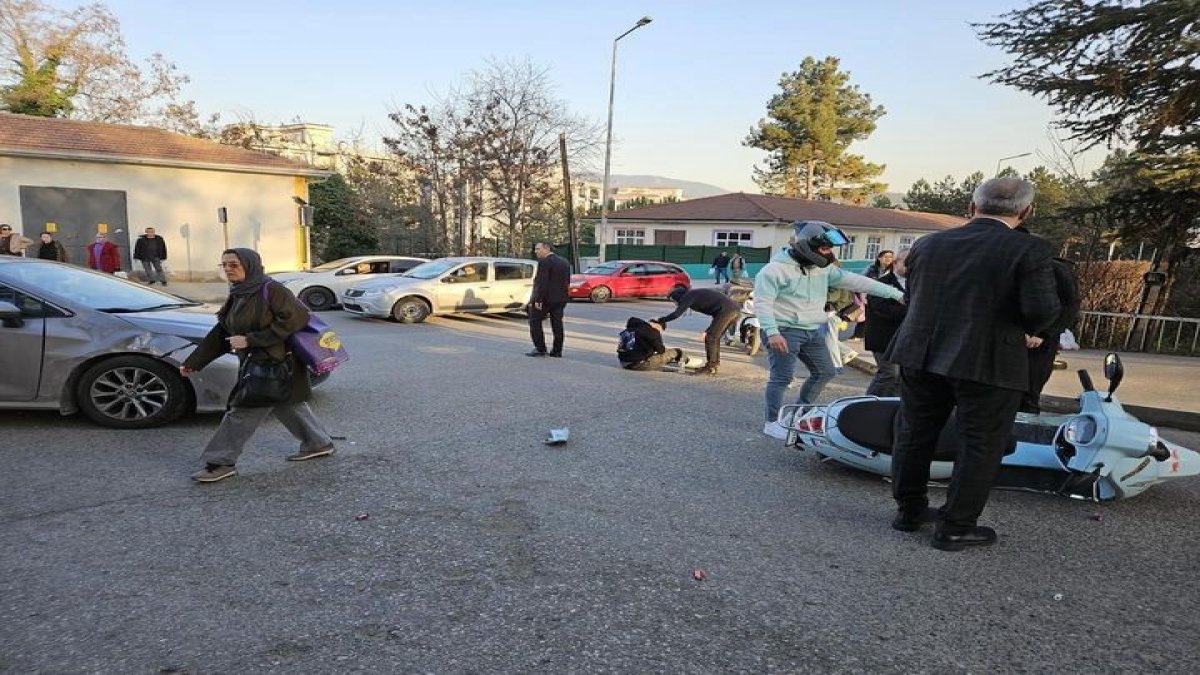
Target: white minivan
{"points": [[470, 285]]}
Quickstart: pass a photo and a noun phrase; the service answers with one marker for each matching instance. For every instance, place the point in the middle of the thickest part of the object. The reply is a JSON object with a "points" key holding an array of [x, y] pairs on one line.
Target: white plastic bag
{"points": [[1067, 341], [832, 323]]}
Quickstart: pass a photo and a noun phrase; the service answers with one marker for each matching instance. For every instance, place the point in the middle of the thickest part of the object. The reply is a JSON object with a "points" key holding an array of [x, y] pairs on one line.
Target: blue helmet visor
{"points": [[832, 237]]}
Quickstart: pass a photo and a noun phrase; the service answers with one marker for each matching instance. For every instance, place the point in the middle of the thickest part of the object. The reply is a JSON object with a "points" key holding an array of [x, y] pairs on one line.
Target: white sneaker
{"points": [[775, 430], [849, 356]]}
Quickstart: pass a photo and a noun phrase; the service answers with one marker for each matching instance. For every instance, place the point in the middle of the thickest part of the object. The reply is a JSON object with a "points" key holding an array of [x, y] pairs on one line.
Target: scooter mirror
{"points": [[1114, 371]]}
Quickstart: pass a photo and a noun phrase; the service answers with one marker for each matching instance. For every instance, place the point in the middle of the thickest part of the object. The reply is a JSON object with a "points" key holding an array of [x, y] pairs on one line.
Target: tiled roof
{"points": [[742, 207], [24, 135]]}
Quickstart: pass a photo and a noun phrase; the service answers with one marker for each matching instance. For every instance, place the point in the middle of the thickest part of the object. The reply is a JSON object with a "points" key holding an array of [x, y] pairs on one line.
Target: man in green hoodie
{"points": [[789, 298]]}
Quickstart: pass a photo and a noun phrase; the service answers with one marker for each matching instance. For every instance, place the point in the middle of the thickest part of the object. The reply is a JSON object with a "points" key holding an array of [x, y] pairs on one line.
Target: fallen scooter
{"points": [[1102, 453]]}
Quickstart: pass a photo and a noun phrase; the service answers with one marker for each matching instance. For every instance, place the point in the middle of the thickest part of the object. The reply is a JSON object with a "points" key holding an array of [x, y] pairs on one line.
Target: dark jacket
{"points": [[52, 251], [266, 323], [150, 249], [552, 283], [884, 317], [1068, 297], [704, 300], [721, 261], [974, 293], [649, 342]]}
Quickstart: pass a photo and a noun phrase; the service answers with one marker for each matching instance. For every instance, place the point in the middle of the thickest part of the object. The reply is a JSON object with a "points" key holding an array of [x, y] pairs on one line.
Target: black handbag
{"points": [[263, 384]]}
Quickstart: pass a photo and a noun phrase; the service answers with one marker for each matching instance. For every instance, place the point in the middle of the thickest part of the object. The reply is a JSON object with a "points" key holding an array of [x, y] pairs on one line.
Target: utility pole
{"points": [[570, 204]]}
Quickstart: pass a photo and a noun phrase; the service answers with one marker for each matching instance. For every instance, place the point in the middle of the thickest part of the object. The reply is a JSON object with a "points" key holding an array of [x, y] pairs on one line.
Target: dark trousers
{"points": [[985, 419], [554, 310], [1041, 367], [656, 361], [716, 331]]}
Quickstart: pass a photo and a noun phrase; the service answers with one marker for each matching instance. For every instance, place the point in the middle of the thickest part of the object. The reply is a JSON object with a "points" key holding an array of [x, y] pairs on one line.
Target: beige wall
{"points": [[181, 204], [701, 234]]}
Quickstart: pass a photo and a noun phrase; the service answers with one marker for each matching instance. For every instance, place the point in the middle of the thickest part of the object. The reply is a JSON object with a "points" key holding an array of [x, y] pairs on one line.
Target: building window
{"points": [[633, 237], [847, 252], [732, 238], [906, 241], [874, 246]]}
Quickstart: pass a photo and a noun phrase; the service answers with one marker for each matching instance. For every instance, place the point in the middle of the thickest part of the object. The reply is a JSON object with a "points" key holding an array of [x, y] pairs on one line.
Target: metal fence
{"points": [[1139, 332]]}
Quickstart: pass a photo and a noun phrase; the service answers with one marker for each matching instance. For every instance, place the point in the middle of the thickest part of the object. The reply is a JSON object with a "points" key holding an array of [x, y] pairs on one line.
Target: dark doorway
{"points": [[670, 237], [77, 213]]}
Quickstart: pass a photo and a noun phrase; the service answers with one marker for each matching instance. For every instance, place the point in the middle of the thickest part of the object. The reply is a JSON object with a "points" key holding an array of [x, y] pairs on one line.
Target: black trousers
{"points": [[985, 419], [537, 316], [716, 331], [1041, 367]]}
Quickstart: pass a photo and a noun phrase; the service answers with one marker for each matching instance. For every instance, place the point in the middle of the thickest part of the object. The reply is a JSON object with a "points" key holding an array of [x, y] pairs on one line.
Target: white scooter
{"points": [[1101, 453]]}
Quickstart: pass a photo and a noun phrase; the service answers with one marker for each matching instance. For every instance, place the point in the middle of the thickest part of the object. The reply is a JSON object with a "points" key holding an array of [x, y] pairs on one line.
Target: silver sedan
{"points": [[76, 340]]}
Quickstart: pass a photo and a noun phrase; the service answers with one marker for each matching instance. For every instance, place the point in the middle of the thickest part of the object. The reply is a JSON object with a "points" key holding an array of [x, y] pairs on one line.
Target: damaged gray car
{"points": [[75, 340]]}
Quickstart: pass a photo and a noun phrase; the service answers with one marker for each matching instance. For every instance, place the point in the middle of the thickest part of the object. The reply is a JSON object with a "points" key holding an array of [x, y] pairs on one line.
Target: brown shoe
{"points": [[312, 454], [707, 369], [214, 473]]}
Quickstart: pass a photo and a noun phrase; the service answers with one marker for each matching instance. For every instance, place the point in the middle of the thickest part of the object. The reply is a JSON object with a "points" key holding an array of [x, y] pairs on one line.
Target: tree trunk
{"points": [[808, 178]]}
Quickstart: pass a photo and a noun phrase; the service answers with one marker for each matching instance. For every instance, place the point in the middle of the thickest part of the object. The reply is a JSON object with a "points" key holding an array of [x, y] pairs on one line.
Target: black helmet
{"points": [[810, 235], [676, 293]]}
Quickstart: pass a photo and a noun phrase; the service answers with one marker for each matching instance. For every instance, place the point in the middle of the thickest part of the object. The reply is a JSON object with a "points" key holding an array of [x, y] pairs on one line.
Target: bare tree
{"points": [[72, 63]]}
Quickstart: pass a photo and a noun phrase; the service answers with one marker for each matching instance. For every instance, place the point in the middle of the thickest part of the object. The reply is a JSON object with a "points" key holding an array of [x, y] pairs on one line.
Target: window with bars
{"points": [[874, 246], [847, 252], [906, 242], [732, 237], [631, 237]]}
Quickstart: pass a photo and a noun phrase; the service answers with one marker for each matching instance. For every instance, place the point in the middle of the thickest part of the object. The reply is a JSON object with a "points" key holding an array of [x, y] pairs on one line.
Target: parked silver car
{"points": [[446, 286], [321, 286], [76, 340]]}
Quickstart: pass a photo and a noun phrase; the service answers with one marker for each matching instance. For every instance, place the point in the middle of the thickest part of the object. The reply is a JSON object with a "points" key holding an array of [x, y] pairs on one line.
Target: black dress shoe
{"points": [[976, 536], [910, 521], [557, 355], [535, 353]]}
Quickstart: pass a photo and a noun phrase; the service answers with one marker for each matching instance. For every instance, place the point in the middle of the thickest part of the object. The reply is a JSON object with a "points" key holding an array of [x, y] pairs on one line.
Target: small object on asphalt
{"points": [[362, 516], [1097, 516], [1058, 596], [338, 438], [699, 575], [557, 436]]}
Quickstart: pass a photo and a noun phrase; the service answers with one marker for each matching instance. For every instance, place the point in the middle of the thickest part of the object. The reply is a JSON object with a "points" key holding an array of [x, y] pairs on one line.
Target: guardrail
{"points": [[1139, 332]]}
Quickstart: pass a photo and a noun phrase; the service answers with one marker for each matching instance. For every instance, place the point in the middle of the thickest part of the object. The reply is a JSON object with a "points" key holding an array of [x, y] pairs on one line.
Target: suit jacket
{"points": [[884, 317], [974, 293], [110, 258], [552, 283], [149, 249]]}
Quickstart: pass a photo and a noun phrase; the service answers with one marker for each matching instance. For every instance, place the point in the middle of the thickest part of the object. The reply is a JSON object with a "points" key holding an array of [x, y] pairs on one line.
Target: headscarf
{"points": [[255, 277]]}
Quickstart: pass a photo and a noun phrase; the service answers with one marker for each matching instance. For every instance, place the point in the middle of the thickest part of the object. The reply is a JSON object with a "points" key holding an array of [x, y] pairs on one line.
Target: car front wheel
{"points": [[410, 310], [131, 392], [601, 294]]}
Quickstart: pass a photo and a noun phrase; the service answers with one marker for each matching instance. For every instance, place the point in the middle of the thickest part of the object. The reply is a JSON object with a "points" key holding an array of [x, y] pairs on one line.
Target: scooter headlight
{"points": [[1080, 430]]}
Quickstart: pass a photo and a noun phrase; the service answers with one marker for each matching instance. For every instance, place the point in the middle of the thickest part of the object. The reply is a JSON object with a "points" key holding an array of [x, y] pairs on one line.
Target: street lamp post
{"points": [[1005, 159], [602, 231]]}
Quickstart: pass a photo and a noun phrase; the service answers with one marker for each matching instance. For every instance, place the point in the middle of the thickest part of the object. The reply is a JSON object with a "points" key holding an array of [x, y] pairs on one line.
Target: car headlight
{"points": [[1080, 430], [372, 292]]}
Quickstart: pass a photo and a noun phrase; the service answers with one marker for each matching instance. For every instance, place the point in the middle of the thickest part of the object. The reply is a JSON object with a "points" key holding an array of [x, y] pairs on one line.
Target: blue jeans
{"points": [[809, 347], [721, 272]]}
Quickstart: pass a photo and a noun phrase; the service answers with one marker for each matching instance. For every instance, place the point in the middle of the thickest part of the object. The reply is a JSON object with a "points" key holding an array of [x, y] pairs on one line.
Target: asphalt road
{"points": [[482, 550]]}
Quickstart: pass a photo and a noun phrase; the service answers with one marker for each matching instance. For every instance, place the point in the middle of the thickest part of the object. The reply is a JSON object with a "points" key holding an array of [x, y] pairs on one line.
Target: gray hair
{"points": [[1003, 196]]}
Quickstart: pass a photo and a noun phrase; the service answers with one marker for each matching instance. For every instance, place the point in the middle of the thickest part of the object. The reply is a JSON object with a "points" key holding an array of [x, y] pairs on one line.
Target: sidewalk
{"points": [[1157, 389], [213, 291]]}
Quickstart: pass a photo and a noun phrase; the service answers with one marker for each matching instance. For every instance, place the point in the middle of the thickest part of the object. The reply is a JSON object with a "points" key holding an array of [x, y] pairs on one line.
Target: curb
{"points": [[1159, 417]]}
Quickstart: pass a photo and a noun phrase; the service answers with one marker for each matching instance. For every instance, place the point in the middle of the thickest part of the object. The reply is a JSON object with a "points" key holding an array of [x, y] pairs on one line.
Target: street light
{"points": [[1005, 159], [612, 87]]}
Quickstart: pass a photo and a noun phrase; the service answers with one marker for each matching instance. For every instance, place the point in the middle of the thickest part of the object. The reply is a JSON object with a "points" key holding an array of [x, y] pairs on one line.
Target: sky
{"points": [[689, 86]]}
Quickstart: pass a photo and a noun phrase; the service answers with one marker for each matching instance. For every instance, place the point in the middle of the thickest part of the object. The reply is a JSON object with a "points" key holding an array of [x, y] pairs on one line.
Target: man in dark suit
{"points": [[551, 293], [1041, 358], [977, 297]]}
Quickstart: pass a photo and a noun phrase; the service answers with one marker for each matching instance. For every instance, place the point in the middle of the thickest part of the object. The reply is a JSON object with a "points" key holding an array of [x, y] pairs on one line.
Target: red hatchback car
{"points": [[628, 279]]}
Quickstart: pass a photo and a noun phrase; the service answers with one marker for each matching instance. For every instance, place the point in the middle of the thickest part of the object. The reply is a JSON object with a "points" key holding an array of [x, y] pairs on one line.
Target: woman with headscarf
{"points": [[254, 323]]}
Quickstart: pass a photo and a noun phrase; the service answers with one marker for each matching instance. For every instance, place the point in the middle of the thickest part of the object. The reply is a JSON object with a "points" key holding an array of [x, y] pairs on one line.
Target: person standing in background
{"points": [[151, 250], [103, 255], [883, 320], [720, 267], [50, 249], [551, 293], [12, 243], [737, 266]]}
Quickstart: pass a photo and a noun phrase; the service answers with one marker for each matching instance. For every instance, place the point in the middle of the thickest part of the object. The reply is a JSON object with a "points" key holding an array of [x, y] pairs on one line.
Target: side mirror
{"points": [[10, 316], [347, 271], [1114, 371]]}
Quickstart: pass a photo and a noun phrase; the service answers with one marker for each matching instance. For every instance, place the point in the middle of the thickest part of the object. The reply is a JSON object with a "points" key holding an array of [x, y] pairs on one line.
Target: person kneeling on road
{"points": [[722, 309], [640, 346]]}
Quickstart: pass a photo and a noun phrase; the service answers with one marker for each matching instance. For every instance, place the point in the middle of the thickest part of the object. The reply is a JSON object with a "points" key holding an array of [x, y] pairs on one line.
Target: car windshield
{"points": [[332, 265], [431, 269], [102, 292], [606, 268]]}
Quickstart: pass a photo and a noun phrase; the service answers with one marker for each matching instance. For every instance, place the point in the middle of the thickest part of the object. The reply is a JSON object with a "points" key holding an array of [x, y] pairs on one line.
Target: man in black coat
{"points": [[151, 249], [641, 347], [722, 309], [978, 295], [1041, 358], [551, 293], [884, 317]]}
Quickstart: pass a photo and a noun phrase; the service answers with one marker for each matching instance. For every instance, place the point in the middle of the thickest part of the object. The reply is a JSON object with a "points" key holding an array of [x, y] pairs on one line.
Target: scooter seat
{"points": [[870, 424]]}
